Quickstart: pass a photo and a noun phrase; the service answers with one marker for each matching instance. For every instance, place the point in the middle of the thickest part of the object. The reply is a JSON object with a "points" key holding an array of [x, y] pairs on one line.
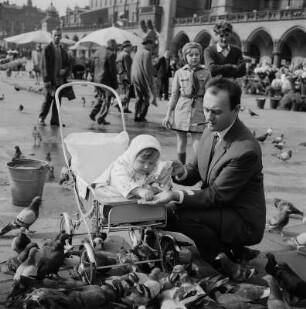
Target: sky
{"points": [[60, 5]]}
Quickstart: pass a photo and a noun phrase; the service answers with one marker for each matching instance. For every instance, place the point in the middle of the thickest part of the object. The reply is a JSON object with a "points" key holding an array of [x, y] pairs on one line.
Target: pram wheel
{"points": [[170, 255], [87, 267]]}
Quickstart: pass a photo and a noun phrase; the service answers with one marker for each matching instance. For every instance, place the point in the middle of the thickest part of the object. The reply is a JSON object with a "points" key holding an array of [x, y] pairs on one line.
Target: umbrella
{"points": [[38, 36], [101, 37], [67, 41]]}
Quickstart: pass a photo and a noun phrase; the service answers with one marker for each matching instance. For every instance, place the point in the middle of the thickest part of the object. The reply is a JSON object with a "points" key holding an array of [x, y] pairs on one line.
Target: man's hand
{"points": [[162, 198], [178, 168]]}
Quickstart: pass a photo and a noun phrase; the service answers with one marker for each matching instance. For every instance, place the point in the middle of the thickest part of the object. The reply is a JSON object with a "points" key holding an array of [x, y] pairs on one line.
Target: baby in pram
{"points": [[138, 172]]}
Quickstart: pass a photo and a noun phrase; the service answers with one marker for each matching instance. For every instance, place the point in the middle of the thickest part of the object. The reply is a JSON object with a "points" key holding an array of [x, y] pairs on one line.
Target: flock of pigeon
{"points": [[130, 285]]}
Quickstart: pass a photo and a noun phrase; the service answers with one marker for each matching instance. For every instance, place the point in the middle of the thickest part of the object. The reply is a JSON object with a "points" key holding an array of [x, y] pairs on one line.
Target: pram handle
{"points": [[59, 107]]}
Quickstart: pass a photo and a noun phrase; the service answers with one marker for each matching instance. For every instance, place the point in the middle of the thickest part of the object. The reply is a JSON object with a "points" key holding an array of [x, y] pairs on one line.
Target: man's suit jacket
{"points": [[47, 65], [232, 182]]}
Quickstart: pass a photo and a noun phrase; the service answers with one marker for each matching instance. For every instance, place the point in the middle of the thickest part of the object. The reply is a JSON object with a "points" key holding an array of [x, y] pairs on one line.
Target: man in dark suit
{"points": [[163, 73], [229, 211], [104, 71], [223, 59], [55, 67]]}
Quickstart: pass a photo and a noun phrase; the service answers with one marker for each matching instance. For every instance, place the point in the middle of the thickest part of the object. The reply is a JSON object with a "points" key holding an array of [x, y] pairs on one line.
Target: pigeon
{"points": [[303, 144], [251, 291], [285, 155], [252, 113], [64, 176], [298, 242], [275, 300], [17, 88], [52, 255], [278, 139], [280, 145], [18, 154], [83, 101], [51, 167], [20, 108], [236, 272], [279, 221], [229, 300], [37, 136], [286, 277], [262, 138], [2, 97], [25, 218], [269, 131], [280, 204], [20, 242]]}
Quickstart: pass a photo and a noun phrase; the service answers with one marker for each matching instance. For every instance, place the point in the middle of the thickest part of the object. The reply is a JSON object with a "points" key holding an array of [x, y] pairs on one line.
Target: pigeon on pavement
{"points": [[275, 299], [262, 138], [278, 139], [285, 155], [18, 154], [279, 221], [280, 204], [21, 107], [252, 113], [20, 242], [25, 218], [237, 272], [37, 136]]}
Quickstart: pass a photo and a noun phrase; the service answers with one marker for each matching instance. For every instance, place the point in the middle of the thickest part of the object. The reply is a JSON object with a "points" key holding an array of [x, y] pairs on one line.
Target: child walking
{"points": [[138, 172], [186, 102]]}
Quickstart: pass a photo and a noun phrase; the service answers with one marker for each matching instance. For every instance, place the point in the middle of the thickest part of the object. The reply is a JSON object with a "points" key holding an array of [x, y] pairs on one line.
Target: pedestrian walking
{"points": [[104, 72], [124, 64], [163, 73], [186, 102], [36, 59], [55, 67], [224, 59], [142, 79]]}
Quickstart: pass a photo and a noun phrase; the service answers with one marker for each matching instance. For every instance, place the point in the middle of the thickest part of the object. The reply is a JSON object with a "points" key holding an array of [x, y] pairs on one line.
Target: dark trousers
{"points": [[142, 102], [102, 105], [164, 87], [50, 100], [124, 90], [203, 227]]}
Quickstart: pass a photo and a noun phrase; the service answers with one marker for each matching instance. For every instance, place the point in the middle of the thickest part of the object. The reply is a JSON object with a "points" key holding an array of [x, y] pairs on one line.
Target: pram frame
{"points": [[95, 204]]}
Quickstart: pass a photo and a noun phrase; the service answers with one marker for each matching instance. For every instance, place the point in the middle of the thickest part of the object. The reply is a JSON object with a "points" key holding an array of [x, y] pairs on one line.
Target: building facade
{"points": [[266, 30], [16, 19]]}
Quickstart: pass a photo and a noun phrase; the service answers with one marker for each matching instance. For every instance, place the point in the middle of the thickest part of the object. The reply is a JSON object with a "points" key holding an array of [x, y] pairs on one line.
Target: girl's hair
{"points": [[148, 153], [188, 46]]}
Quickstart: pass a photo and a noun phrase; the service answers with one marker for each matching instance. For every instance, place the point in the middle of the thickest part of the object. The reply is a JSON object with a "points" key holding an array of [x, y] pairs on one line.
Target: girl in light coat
{"points": [[185, 109]]}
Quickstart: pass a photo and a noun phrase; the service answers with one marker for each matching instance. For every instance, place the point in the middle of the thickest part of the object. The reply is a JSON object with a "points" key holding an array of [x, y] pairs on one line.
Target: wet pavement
{"points": [[285, 180]]}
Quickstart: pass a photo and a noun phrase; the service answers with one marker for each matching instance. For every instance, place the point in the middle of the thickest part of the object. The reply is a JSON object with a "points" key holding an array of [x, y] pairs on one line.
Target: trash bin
{"points": [[260, 102], [27, 180], [274, 101]]}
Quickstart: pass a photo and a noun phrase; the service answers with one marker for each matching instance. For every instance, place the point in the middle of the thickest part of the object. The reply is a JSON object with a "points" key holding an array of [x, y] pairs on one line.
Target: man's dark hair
{"points": [[223, 26], [234, 90]]}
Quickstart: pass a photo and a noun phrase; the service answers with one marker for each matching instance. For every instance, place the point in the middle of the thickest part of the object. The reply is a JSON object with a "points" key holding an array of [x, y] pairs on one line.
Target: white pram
{"points": [[87, 155]]}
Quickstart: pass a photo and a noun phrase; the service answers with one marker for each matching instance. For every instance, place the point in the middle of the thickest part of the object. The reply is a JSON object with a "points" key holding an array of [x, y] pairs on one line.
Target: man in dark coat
{"points": [[55, 67], [124, 63], [223, 59], [104, 72], [163, 73], [229, 211], [142, 78]]}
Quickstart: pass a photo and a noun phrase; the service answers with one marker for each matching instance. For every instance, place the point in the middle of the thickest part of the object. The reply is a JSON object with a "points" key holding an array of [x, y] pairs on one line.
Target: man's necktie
{"points": [[213, 147]]}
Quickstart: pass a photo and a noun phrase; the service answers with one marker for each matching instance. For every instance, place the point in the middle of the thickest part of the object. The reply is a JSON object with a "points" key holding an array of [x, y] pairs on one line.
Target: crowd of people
{"points": [[286, 84], [228, 212]]}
